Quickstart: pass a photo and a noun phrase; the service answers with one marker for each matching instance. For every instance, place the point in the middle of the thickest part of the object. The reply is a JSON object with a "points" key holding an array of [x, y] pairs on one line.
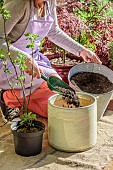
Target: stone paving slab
{"points": [[51, 159], [4, 128]]}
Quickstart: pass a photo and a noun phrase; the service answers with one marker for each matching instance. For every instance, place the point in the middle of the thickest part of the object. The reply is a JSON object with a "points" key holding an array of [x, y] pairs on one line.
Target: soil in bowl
{"points": [[69, 99], [91, 82], [68, 61], [28, 129], [62, 102]]}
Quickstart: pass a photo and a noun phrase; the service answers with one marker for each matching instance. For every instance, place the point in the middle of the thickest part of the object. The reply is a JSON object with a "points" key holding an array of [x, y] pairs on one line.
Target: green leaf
{"points": [[21, 77], [27, 34], [5, 63], [30, 45]]}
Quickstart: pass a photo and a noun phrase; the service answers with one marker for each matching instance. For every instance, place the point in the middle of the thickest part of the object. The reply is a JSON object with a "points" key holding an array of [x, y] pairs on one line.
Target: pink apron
{"points": [[40, 26]]}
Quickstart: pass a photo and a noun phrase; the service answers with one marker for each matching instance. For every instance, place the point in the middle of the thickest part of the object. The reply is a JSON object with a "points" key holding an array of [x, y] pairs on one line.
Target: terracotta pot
{"points": [[63, 69]]}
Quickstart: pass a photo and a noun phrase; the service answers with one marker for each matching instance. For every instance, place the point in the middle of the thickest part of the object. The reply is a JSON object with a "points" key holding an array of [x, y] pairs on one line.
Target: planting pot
{"points": [[28, 144], [102, 99], [63, 69], [72, 129]]}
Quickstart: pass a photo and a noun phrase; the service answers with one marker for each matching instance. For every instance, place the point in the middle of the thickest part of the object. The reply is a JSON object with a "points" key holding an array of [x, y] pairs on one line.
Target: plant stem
{"points": [[31, 82], [10, 58]]}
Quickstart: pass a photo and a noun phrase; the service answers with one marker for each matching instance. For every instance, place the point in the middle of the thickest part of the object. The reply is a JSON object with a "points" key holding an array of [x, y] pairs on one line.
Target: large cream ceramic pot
{"points": [[72, 129]]}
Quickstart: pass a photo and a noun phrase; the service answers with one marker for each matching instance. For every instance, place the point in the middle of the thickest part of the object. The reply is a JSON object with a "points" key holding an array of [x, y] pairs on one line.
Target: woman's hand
{"points": [[31, 63], [89, 56]]}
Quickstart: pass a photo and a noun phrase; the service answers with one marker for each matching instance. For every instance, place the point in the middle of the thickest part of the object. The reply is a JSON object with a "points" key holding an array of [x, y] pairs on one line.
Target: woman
{"points": [[39, 17]]}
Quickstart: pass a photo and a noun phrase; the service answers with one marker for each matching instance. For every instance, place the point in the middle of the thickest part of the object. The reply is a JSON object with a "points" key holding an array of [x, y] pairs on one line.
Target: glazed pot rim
{"points": [[76, 108]]}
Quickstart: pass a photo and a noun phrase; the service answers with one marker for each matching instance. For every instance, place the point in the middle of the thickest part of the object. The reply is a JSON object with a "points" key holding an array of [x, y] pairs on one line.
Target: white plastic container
{"points": [[72, 129], [102, 99]]}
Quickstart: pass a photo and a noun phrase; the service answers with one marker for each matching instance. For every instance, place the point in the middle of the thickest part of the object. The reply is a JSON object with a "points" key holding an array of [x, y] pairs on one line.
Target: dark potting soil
{"points": [[90, 82], [69, 95], [28, 128], [25, 130]]}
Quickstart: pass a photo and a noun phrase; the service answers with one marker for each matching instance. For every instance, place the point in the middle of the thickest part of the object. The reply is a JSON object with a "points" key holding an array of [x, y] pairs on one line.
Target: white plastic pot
{"points": [[72, 129], [102, 99]]}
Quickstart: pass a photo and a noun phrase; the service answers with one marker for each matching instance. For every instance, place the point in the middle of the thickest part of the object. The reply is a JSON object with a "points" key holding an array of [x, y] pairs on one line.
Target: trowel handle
{"points": [[43, 77]]}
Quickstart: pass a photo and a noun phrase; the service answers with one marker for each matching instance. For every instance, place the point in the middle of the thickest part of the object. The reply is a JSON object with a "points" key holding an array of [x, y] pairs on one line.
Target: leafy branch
{"points": [[31, 38], [26, 118]]}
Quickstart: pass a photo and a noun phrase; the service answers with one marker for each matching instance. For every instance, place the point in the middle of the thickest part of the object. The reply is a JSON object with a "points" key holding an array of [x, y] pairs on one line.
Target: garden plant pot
{"points": [[63, 69], [72, 129], [28, 144], [102, 99]]}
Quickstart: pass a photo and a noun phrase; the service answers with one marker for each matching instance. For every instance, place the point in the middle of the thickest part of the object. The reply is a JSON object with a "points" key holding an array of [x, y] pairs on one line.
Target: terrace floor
{"points": [[99, 157]]}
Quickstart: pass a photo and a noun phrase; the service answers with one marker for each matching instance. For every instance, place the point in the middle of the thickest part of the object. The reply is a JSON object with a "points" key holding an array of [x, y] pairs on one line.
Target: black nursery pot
{"points": [[28, 144]]}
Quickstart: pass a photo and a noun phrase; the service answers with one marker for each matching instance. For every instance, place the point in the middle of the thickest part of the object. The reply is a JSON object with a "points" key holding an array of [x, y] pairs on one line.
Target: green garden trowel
{"points": [[53, 81]]}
